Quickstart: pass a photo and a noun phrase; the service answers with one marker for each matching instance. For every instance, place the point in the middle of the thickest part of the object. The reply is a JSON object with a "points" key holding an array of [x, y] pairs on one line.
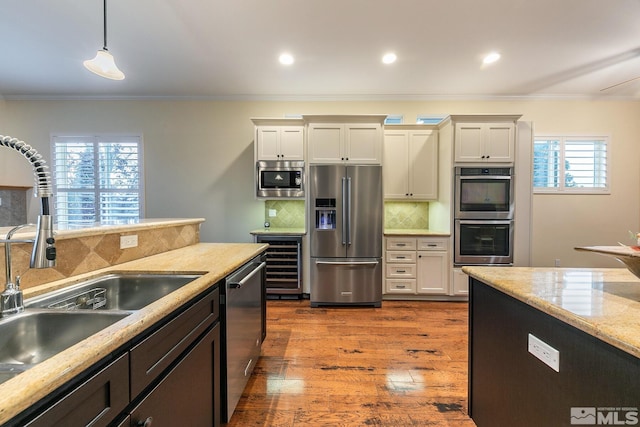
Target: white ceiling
{"points": [[229, 49]]}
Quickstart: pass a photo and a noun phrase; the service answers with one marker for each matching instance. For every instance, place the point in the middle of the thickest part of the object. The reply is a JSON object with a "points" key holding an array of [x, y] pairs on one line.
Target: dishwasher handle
{"points": [[235, 284]]}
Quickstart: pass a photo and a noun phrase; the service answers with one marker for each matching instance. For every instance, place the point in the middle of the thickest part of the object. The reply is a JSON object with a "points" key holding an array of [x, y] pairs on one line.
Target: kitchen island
{"points": [[214, 261], [550, 346]]}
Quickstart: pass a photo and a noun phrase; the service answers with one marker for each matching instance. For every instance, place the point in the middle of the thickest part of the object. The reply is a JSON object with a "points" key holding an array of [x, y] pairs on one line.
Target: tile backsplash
{"points": [[82, 254], [289, 213], [406, 215], [397, 215]]}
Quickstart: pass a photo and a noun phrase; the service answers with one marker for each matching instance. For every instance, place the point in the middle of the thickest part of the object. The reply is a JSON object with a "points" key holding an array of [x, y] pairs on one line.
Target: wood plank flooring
{"points": [[404, 364]]}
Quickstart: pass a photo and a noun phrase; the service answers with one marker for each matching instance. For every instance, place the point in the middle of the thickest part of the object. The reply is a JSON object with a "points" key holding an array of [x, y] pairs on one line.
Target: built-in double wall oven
{"points": [[484, 220]]}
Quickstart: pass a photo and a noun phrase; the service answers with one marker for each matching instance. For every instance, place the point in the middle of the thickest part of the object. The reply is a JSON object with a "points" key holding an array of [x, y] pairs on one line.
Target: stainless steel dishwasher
{"points": [[242, 308]]}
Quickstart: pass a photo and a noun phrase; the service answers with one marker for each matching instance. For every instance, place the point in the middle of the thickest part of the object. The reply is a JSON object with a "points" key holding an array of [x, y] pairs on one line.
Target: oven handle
{"points": [[486, 221], [474, 177]]}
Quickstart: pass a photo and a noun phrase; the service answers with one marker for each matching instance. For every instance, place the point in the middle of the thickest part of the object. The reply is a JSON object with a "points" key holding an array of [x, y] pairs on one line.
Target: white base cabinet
{"points": [[460, 283], [417, 266]]}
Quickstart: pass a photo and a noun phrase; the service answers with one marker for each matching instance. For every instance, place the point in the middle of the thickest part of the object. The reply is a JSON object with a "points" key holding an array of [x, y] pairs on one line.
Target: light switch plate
{"points": [[543, 351], [130, 241]]}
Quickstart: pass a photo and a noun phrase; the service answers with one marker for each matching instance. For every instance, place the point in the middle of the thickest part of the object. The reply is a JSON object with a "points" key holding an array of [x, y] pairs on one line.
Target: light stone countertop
{"points": [[214, 260], [276, 230], [603, 302], [415, 232]]}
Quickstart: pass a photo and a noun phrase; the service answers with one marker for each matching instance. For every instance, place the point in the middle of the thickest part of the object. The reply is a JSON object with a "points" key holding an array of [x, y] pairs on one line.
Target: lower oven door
{"points": [[483, 242]]}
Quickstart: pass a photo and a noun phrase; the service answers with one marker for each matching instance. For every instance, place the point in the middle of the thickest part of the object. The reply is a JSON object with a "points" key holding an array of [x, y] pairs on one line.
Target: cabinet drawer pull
{"points": [[401, 271], [145, 423], [400, 286], [401, 244], [401, 257], [432, 245]]}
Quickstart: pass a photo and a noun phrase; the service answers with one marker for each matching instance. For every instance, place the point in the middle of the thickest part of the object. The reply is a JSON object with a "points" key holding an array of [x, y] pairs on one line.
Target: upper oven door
{"points": [[484, 196]]}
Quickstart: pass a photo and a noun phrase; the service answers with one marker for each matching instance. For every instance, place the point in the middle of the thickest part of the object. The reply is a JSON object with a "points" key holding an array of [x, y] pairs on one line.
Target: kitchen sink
{"points": [[33, 336], [118, 291]]}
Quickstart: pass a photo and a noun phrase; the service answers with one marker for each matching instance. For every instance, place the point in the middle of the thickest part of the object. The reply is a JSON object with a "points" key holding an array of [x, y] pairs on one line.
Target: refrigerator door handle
{"points": [[348, 217], [344, 211], [347, 263]]}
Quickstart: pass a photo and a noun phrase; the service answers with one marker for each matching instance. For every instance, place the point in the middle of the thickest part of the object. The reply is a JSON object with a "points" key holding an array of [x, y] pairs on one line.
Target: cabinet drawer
{"points": [[401, 244], [401, 271], [153, 355], [95, 402], [401, 256], [433, 244], [400, 286]]}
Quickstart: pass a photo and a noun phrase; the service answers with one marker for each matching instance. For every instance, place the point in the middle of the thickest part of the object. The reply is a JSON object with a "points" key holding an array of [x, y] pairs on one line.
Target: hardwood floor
{"points": [[404, 364]]}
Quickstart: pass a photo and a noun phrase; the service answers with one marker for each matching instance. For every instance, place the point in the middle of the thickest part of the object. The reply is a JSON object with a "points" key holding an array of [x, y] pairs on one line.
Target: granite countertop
{"points": [[213, 260], [603, 302], [283, 231], [415, 232]]}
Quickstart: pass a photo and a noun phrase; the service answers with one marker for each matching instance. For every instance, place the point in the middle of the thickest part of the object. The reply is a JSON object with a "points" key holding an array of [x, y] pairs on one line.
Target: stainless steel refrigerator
{"points": [[346, 234]]}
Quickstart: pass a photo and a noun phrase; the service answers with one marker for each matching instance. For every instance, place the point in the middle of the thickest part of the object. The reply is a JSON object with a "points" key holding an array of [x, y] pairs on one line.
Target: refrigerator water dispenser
{"points": [[325, 214]]}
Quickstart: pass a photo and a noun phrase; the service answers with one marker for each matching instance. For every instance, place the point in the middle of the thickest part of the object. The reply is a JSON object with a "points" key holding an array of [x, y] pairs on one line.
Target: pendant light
{"points": [[103, 64]]}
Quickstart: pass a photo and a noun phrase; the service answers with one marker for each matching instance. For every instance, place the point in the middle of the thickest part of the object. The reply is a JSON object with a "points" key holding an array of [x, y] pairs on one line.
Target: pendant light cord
{"points": [[105, 25]]}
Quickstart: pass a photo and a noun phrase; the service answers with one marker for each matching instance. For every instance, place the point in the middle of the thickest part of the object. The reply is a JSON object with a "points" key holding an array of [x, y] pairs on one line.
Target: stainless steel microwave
{"points": [[280, 179]]}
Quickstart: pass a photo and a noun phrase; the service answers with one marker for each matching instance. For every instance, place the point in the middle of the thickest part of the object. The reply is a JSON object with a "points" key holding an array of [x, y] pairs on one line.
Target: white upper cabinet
{"points": [[282, 141], [339, 141], [411, 164], [483, 141]]}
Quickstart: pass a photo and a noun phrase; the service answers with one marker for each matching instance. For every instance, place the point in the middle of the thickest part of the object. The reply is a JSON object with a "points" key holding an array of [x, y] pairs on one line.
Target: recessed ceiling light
{"points": [[286, 59], [389, 58], [491, 58]]}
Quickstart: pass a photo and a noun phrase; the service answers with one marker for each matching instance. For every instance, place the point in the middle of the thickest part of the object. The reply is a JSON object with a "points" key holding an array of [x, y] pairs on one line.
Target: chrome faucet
{"points": [[43, 254]]}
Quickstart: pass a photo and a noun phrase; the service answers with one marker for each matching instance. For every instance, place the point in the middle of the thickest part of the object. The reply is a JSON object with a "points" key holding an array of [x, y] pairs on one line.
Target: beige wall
{"points": [[199, 159]]}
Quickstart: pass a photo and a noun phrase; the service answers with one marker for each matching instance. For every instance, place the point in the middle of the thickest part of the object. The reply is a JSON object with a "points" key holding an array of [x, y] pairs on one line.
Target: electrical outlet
{"points": [[557, 262], [272, 213], [543, 351], [130, 241]]}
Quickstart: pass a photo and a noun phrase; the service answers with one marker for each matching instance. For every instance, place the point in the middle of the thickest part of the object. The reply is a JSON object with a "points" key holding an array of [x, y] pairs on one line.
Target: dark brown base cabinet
{"points": [[185, 396], [509, 387], [169, 376]]}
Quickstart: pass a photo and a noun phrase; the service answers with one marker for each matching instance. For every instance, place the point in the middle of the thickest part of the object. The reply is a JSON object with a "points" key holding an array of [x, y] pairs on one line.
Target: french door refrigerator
{"points": [[346, 234]]}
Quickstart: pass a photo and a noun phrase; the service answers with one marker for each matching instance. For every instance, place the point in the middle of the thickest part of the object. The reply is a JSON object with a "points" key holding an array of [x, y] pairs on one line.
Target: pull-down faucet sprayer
{"points": [[43, 254]]}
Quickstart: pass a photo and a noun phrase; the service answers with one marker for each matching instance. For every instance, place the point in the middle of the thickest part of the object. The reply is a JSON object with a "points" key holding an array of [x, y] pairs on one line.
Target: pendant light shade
{"points": [[103, 64]]}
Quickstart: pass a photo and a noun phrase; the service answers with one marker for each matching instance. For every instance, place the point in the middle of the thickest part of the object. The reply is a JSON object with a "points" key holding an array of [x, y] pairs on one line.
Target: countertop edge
{"points": [[605, 333], [415, 232]]}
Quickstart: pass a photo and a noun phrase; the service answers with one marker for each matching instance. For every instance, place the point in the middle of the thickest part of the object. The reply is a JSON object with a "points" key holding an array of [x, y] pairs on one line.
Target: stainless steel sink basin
{"points": [[113, 292], [33, 336]]}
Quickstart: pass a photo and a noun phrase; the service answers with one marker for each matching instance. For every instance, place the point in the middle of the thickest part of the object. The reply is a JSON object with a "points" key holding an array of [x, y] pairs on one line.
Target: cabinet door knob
{"points": [[145, 423]]}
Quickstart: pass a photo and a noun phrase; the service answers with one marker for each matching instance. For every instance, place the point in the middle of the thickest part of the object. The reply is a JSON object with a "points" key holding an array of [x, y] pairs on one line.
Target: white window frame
{"points": [[96, 139], [562, 189]]}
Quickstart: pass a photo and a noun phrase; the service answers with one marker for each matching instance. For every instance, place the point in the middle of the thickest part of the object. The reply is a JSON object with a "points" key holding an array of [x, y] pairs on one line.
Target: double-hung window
{"points": [[97, 179], [563, 164]]}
